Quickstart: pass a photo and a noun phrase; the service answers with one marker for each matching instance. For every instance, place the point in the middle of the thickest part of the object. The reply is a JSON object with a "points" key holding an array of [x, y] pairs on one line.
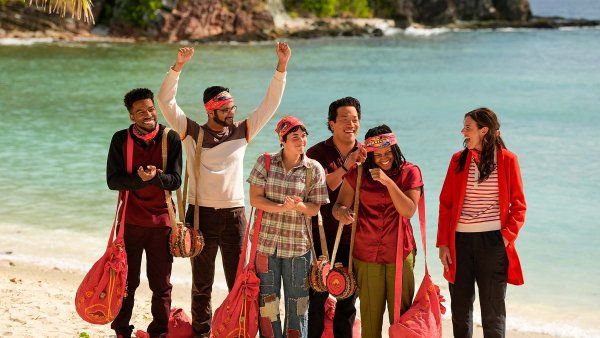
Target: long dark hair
{"points": [[484, 117], [398, 157]]}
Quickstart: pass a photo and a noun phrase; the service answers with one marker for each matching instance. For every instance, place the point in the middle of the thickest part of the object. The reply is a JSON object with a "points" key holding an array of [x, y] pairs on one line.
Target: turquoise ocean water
{"points": [[61, 103]]}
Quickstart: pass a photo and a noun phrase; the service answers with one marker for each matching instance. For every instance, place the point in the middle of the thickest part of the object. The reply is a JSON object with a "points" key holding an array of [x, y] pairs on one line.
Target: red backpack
{"points": [[239, 313], [424, 318], [100, 295]]}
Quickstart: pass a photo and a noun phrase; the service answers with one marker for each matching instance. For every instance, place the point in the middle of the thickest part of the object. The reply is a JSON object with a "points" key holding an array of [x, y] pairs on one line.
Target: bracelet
{"points": [[344, 168]]}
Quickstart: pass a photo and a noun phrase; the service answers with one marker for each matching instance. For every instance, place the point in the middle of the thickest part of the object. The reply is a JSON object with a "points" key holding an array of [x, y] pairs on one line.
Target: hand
{"points": [[297, 202], [183, 56], [357, 156], [505, 241], [288, 203], [148, 174], [345, 215], [379, 175], [283, 56], [445, 257]]}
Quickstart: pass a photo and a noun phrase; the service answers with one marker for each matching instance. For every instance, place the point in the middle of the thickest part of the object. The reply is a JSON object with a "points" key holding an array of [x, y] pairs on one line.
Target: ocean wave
{"points": [[424, 32], [23, 42]]}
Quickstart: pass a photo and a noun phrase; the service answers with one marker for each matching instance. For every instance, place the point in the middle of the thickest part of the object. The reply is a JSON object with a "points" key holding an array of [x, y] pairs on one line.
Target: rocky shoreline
{"points": [[209, 23]]}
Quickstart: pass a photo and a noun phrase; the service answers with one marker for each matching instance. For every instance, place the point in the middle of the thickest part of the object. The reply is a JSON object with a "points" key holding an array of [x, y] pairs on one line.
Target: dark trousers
{"points": [[345, 310], [480, 258], [221, 228], [155, 241]]}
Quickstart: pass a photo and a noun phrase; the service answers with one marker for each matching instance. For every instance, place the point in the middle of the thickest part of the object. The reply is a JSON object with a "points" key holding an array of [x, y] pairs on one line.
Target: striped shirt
{"points": [[481, 209], [284, 234]]}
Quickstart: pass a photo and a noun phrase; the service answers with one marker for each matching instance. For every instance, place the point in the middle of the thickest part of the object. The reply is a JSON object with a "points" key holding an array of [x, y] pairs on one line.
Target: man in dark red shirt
{"points": [[147, 221], [337, 155]]}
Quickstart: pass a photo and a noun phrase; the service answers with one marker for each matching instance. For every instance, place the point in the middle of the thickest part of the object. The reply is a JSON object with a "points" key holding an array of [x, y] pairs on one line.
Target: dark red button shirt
{"points": [[378, 219]]}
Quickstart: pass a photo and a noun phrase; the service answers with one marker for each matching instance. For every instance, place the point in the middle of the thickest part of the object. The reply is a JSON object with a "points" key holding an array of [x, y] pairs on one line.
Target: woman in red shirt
{"points": [[389, 195], [482, 209]]}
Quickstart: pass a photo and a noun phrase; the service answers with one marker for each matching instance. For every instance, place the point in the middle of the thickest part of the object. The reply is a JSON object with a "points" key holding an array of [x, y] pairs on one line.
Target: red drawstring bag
{"points": [[180, 326], [239, 313], [100, 295], [329, 314], [424, 318]]}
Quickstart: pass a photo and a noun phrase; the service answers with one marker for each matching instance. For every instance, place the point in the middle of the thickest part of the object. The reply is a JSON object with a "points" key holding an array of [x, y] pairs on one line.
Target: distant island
{"points": [[255, 20]]}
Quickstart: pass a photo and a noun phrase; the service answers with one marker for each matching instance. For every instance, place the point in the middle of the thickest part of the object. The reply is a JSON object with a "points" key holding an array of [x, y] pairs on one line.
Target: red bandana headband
{"points": [[286, 124], [218, 101], [380, 141]]}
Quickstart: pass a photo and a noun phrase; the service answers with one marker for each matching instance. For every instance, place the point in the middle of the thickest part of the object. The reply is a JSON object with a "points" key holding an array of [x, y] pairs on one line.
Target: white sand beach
{"points": [[36, 293]]}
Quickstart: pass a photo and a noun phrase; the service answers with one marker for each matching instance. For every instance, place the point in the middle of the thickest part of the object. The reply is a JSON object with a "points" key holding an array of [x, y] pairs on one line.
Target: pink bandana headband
{"points": [[218, 101], [380, 141]]}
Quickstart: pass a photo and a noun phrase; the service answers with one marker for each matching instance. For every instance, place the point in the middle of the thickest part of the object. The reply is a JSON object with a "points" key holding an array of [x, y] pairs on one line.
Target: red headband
{"points": [[286, 124], [218, 101], [380, 141]]}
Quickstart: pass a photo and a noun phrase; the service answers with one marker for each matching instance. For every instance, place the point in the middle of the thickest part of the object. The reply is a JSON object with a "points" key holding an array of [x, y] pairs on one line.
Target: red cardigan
{"points": [[512, 209]]}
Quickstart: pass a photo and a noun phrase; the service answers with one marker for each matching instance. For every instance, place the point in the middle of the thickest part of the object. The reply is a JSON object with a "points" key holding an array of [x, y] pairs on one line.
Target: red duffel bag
{"points": [[238, 316], [100, 295], [424, 318]]}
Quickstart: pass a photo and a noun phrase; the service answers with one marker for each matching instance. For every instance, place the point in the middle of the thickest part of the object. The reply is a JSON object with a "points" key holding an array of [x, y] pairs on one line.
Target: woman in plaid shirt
{"points": [[284, 243]]}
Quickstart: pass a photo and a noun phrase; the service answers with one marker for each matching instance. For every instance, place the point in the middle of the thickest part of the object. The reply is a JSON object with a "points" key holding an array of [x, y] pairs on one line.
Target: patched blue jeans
{"points": [[294, 272]]}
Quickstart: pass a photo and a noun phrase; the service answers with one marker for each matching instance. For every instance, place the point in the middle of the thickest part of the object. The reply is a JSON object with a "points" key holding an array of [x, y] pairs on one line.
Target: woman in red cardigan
{"points": [[482, 209]]}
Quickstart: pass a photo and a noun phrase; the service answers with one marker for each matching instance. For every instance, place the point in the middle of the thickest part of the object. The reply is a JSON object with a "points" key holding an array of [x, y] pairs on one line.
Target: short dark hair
{"points": [[398, 156], [343, 102], [136, 95], [303, 128], [213, 91]]}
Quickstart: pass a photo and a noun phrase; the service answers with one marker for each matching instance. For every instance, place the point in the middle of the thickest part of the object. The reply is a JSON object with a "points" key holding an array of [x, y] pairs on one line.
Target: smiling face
{"points": [[384, 158], [473, 135], [143, 114], [295, 142], [346, 125]]}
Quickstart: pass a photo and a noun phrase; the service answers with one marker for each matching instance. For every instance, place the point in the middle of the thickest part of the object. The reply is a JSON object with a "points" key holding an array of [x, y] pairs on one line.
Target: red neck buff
{"points": [[145, 137], [218, 101]]}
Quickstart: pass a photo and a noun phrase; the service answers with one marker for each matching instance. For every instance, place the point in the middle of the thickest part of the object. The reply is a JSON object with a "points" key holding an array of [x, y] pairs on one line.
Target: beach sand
{"points": [[38, 302], [40, 272]]}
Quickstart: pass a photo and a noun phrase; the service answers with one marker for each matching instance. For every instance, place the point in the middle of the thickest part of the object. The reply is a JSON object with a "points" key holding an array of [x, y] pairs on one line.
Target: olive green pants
{"points": [[376, 287]]}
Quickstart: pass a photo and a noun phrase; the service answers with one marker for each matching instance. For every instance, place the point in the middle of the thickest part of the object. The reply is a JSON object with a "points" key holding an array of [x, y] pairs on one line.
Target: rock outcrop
{"points": [[218, 20], [19, 20], [442, 12]]}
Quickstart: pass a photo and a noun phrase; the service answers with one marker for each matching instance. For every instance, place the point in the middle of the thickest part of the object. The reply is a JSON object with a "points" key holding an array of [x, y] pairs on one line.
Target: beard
{"points": [[147, 129], [220, 122]]}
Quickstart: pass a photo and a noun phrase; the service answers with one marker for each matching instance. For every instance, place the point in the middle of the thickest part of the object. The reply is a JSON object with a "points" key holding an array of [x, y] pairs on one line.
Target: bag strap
{"points": [[197, 164], [356, 204], [123, 196], [168, 194], [256, 228], [338, 235], [308, 219], [400, 255]]}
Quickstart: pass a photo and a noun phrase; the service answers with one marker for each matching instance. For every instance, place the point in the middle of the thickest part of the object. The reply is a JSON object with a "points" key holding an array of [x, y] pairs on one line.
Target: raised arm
{"points": [[168, 90], [267, 108]]}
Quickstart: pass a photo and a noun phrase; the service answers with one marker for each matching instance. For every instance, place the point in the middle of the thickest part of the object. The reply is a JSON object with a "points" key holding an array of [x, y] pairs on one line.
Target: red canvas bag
{"points": [[329, 314], [424, 318], [239, 313], [100, 295], [180, 326]]}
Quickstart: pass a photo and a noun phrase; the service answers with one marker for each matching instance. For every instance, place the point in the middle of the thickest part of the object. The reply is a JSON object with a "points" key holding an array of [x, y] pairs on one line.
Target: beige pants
{"points": [[376, 287]]}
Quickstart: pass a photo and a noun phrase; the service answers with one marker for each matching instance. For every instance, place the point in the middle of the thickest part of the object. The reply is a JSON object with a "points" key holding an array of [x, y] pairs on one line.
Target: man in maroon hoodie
{"points": [[147, 221]]}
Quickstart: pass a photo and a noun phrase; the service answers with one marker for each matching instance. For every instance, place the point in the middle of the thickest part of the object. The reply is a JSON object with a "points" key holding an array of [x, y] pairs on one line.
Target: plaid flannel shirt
{"points": [[285, 234]]}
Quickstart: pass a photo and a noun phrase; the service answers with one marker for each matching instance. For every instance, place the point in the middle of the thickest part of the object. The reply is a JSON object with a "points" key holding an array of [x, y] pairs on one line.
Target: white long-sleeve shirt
{"points": [[222, 160]]}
